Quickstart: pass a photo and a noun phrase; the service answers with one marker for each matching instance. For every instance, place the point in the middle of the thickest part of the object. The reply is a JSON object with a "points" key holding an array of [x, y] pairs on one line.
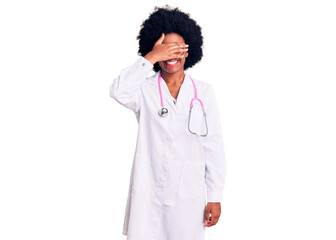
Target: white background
{"points": [[66, 147]]}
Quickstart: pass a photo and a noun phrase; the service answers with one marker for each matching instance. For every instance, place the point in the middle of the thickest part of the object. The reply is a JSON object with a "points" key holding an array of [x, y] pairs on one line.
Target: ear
{"points": [[187, 54]]}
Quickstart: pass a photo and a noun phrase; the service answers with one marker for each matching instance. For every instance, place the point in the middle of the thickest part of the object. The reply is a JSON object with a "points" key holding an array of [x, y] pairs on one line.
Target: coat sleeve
{"points": [[215, 161], [125, 88]]}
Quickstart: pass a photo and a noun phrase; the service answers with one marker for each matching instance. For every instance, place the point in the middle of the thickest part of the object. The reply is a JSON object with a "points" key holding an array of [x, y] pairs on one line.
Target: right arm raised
{"points": [[125, 88]]}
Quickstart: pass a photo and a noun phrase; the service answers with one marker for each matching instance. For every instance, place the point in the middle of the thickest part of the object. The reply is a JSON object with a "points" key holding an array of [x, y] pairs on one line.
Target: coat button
{"points": [[143, 64]]}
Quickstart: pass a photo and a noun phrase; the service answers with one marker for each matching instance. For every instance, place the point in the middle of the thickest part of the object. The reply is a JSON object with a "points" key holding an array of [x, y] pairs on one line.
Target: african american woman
{"points": [[179, 167]]}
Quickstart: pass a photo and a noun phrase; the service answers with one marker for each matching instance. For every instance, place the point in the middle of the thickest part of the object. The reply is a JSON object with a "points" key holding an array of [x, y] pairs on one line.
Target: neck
{"points": [[173, 78]]}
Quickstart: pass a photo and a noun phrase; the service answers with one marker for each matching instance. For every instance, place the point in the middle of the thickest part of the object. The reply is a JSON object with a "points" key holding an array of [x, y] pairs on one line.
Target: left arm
{"points": [[215, 161]]}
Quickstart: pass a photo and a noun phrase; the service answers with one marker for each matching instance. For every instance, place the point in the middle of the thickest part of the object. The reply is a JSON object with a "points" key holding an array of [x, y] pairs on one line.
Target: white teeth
{"points": [[173, 62]]}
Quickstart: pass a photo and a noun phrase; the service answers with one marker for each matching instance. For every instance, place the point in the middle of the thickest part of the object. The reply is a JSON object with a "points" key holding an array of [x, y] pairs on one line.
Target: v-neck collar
{"points": [[186, 92], [169, 98]]}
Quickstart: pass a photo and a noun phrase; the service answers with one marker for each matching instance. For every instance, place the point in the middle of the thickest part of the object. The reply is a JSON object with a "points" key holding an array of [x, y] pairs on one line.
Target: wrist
{"points": [[151, 57]]}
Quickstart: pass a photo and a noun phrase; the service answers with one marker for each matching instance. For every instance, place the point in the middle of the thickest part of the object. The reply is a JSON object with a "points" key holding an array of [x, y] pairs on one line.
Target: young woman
{"points": [[179, 166]]}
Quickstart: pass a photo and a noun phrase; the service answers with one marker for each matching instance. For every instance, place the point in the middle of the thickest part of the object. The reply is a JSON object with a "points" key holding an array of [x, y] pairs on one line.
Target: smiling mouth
{"points": [[172, 62]]}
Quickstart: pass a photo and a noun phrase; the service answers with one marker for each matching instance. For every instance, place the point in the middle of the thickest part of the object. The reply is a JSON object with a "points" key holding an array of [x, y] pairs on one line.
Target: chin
{"points": [[171, 70]]}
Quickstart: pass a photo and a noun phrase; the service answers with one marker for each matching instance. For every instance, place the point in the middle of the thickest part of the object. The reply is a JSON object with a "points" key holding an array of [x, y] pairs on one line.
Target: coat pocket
{"points": [[192, 180], [140, 173]]}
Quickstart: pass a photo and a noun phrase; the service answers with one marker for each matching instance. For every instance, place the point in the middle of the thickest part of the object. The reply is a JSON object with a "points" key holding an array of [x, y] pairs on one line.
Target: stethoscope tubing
{"points": [[192, 100], [164, 111]]}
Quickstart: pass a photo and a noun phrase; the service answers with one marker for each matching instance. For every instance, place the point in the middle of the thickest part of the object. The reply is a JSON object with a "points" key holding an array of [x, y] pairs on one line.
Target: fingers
{"points": [[211, 216], [207, 216], [181, 55], [214, 219], [207, 223], [170, 50], [175, 46], [180, 52]]}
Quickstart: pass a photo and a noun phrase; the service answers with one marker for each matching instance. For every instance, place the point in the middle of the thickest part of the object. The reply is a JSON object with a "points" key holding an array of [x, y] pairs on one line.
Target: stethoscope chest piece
{"points": [[163, 112], [196, 125]]}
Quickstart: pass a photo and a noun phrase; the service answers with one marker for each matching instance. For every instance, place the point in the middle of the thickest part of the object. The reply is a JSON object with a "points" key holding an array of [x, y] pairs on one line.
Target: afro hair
{"points": [[171, 20]]}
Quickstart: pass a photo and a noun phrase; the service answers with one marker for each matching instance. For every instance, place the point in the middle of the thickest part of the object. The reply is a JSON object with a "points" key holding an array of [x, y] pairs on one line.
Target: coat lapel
{"points": [[168, 99]]}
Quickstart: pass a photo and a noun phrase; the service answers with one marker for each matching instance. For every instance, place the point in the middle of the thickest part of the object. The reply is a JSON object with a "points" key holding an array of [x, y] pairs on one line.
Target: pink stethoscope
{"points": [[163, 112]]}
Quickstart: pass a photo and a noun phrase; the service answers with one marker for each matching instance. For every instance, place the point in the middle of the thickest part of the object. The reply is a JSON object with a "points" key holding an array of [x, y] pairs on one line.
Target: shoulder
{"points": [[206, 92], [203, 88], [202, 84]]}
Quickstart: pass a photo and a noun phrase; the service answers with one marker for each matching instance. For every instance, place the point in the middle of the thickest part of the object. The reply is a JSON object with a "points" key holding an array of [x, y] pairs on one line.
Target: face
{"points": [[172, 68]]}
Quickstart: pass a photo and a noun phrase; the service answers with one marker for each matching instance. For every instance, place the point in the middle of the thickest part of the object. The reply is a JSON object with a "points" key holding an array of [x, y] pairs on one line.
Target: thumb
{"points": [[207, 213], [160, 40]]}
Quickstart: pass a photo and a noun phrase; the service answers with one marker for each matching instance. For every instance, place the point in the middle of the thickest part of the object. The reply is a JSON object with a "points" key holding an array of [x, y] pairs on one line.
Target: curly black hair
{"points": [[171, 20]]}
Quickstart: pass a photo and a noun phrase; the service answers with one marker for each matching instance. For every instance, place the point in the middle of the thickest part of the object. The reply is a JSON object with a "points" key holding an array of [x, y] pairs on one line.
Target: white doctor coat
{"points": [[174, 173]]}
